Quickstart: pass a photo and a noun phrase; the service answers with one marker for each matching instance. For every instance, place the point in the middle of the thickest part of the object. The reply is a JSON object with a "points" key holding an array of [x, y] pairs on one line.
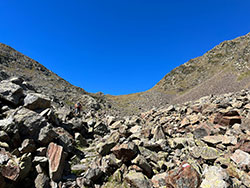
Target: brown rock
{"points": [[11, 171], [56, 159], [158, 180], [125, 151], [184, 176], [245, 147], [241, 158], [2, 182], [28, 146], [144, 165], [220, 139], [227, 119]]}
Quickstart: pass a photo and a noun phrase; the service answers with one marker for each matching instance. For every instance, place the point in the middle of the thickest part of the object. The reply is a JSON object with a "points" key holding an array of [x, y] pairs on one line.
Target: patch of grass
{"points": [[243, 75]]}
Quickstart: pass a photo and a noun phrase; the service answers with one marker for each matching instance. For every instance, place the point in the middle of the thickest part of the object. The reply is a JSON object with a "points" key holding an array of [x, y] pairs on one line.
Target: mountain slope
{"points": [[225, 68], [14, 63]]}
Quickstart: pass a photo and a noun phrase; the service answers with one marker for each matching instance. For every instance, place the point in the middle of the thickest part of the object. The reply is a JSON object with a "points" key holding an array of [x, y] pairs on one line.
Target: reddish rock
{"points": [[10, 171], [241, 158], [245, 147], [125, 151], [158, 180], [184, 176], [227, 119], [56, 159]]}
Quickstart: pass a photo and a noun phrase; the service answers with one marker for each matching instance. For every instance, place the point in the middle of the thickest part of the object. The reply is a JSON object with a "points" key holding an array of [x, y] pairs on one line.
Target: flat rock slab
{"points": [[220, 139], [56, 159], [214, 178], [35, 101], [241, 158], [205, 152]]}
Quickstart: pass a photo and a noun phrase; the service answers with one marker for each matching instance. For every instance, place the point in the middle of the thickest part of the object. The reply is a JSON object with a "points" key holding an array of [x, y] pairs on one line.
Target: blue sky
{"points": [[119, 46]]}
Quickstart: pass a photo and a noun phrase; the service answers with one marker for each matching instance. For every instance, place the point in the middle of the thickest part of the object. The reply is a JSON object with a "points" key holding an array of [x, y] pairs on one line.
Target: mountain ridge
{"points": [[225, 68]]}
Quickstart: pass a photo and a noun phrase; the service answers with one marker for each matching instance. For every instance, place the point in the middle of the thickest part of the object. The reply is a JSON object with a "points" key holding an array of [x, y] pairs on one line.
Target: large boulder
{"points": [[11, 92], [137, 180], [158, 180], [125, 151], [215, 177], [64, 138], [184, 176], [227, 119], [35, 101], [46, 135], [29, 123], [144, 165], [56, 159]]}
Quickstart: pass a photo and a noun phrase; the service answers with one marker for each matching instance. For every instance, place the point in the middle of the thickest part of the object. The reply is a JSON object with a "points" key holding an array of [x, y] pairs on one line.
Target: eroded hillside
{"points": [[225, 68]]}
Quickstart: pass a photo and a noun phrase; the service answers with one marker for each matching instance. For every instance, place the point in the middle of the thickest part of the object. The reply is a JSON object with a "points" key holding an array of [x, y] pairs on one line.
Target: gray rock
{"points": [[11, 92], [105, 148], [16, 80], [206, 152], [158, 133], [29, 122], [137, 180], [40, 160], [35, 101], [158, 180], [3, 75], [8, 125], [100, 129], [65, 139], [93, 174], [42, 181], [80, 141], [144, 165], [41, 151], [46, 135], [78, 168], [215, 177], [4, 157]]}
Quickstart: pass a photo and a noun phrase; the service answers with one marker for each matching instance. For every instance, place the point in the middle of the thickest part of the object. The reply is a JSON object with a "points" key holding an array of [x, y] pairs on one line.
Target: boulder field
{"points": [[203, 143]]}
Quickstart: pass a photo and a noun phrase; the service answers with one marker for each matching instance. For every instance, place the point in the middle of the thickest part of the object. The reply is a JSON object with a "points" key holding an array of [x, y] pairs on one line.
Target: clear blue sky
{"points": [[119, 46]]}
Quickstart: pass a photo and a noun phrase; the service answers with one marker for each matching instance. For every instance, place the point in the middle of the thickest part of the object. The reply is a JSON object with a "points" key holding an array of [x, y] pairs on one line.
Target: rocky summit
{"points": [[201, 142]]}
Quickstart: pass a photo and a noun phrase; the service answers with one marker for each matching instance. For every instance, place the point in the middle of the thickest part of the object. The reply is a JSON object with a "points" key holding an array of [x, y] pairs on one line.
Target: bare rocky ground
{"points": [[223, 69], [153, 139], [203, 143]]}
